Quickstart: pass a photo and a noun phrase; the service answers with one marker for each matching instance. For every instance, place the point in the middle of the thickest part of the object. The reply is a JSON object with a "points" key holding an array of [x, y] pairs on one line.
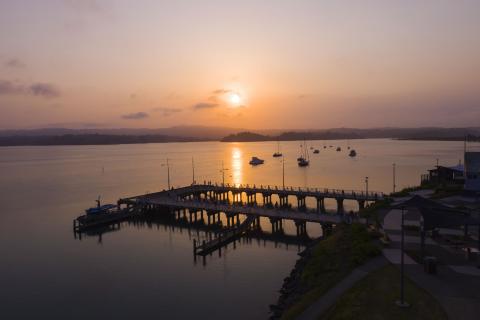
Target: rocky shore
{"points": [[292, 287]]}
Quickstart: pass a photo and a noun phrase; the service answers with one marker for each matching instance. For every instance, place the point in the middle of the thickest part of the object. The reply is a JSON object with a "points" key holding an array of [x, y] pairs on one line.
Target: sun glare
{"points": [[235, 99]]}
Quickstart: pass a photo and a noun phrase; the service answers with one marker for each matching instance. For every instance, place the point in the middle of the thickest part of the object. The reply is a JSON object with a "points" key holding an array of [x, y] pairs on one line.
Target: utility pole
{"points": [[366, 186], [437, 162], [283, 172], [193, 171], [168, 175], [394, 182], [402, 303], [223, 173]]}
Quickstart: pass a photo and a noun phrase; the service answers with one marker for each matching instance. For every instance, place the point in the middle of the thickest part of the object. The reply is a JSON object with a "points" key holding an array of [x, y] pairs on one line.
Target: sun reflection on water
{"points": [[237, 174]]}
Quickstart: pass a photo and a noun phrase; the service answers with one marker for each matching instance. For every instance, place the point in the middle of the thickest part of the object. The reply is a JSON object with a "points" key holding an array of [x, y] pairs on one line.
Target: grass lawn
{"points": [[374, 298], [333, 259]]}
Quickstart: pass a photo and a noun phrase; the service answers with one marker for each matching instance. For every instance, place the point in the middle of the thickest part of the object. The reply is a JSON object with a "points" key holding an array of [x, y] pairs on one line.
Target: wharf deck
{"points": [[223, 238]]}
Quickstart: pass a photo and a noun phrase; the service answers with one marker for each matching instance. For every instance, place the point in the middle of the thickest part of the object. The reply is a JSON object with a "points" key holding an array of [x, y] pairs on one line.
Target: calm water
{"points": [[149, 272]]}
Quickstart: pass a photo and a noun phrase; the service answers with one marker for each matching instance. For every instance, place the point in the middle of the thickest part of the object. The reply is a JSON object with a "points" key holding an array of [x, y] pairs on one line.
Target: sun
{"points": [[235, 99]]}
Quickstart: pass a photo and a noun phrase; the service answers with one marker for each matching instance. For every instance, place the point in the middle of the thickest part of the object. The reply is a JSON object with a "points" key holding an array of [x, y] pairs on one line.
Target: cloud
{"points": [[7, 88], [220, 91], [14, 63], [166, 111], [303, 96], [46, 90], [205, 105], [135, 116]]}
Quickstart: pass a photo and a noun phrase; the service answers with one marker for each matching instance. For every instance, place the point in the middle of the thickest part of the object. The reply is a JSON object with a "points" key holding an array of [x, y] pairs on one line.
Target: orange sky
{"points": [[291, 64]]}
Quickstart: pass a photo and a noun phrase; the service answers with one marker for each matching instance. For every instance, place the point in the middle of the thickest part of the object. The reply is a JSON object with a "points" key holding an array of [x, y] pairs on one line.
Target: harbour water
{"points": [[147, 270]]}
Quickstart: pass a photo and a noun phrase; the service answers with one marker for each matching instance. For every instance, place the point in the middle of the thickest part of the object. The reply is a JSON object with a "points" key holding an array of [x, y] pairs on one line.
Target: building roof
{"points": [[457, 168], [437, 215]]}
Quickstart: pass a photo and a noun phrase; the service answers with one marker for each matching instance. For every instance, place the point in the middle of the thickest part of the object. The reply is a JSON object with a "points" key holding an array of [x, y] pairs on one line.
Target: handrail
{"points": [[261, 188]]}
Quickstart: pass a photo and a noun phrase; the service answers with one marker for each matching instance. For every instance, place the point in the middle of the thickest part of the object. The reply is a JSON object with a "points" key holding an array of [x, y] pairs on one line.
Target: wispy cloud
{"points": [[205, 105], [45, 90], [8, 87], [135, 116], [221, 91], [14, 63], [165, 111]]}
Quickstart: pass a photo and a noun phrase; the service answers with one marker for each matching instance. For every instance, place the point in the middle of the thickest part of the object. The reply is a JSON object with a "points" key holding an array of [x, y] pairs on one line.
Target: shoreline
{"points": [[291, 288]]}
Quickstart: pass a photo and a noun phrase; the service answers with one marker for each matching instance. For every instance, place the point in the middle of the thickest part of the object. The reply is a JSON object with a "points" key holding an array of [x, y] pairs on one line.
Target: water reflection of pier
{"points": [[199, 231]]}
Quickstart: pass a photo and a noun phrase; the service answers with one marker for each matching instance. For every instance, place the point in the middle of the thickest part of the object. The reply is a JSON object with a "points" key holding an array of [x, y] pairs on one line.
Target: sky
{"points": [[243, 64]]}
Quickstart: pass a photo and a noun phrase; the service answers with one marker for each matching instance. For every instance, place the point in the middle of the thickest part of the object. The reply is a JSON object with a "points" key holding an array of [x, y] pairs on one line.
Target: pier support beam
{"points": [[321, 205], [277, 225], [301, 203], [283, 200], [361, 204], [267, 199], [237, 198], [301, 228], [340, 205], [251, 198]]}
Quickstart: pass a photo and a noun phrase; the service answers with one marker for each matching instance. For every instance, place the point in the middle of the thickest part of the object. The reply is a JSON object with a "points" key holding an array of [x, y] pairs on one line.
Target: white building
{"points": [[472, 171]]}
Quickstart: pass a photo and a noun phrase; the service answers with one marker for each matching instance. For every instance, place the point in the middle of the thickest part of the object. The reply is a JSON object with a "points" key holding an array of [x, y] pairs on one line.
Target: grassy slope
{"points": [[374, 298], [333, 259]]}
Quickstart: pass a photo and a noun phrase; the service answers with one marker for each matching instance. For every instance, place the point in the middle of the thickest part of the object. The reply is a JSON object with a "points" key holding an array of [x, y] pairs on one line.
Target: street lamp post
{"points": [[283, 172], [193, 171], [366, 186], [402, 303], [394, 178], [168, 174], [223, 173]]}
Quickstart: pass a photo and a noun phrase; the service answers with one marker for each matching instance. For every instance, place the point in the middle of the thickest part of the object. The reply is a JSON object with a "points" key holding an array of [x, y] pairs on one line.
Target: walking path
{"points": [[454, 286], [329, 298]]}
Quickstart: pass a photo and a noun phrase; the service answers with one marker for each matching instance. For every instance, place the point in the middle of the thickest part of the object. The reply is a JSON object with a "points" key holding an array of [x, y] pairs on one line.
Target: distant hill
{"points": [[65, 136], [88, 139], [246, 137], [449, 134], [199, 132], [289, 136]]}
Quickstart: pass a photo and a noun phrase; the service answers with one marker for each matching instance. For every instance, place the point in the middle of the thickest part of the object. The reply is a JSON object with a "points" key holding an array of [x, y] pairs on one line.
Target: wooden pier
{"points": [[206, 203], [222, 238]]}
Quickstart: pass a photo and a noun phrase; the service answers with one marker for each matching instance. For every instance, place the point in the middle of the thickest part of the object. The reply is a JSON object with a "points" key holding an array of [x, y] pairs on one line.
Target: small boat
{"points": [[278, 153], [101, 215], [316, 151], [256, 161], [324, 147], [339, 149], [303, 163], [352, 153], [101, 209]]}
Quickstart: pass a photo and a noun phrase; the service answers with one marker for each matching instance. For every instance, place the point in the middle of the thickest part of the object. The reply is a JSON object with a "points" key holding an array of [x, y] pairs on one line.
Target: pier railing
{"points": [[289, 189]]}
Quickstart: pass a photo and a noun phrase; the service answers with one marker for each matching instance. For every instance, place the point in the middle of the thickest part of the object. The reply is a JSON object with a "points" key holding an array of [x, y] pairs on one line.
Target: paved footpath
{"points": [[456, 287], [329, 298]]}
